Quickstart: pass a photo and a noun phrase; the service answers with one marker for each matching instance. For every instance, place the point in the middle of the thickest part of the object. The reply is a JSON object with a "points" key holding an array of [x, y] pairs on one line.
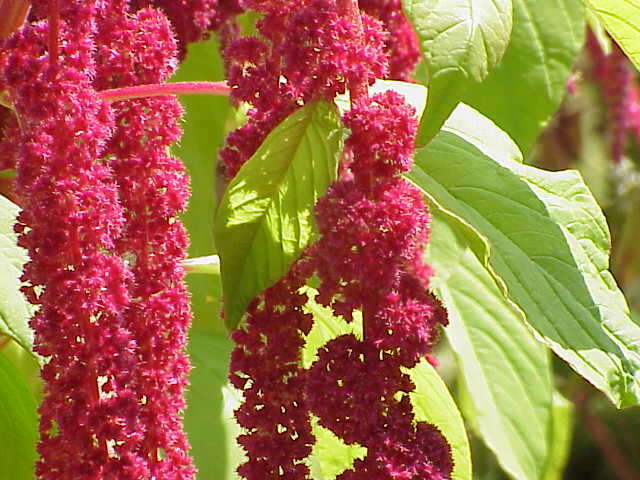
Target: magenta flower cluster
{"points": [[373, 228], [306, 51], [620, 92], [100, 197]]}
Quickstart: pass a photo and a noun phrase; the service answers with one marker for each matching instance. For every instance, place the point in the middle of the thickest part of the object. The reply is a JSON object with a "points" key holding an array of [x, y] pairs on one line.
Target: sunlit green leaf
{"points": [[548, 250], [414, 94], [209, 264], [560, 438], [526, 87], [14, 309], [504, 369], [265, 218], [461, 41], [18, 424], [621, 18]]}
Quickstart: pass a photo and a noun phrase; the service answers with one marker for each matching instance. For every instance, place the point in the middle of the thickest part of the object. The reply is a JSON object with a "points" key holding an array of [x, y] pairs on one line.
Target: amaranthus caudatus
{"points": [[373, 227], [101, 197]]}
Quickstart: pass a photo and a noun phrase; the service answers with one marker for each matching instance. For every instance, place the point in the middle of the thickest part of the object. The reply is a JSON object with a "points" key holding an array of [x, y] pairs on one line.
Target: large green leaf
{"points": [[548, 247], [204, 132], [431, 401], [265, 218], [14, 309], [461, 41], [560, 438], [506, 371], [526, 87], [621, 18], [203, 420], [18, 424]]}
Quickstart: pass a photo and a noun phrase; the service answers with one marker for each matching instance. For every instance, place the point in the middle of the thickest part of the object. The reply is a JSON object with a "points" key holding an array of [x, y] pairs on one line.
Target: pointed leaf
{"points": [[432, 403], [209, 264], [461, 41], [14, 309], [265, 218], [560, 438], [18, 424], [546, 38], [414, 94], [506, 371], [548, 249], [621, 18]]}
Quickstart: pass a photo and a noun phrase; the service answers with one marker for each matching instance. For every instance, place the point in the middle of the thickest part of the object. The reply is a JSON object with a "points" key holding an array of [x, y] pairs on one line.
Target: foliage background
{"points": [[599, 442]]}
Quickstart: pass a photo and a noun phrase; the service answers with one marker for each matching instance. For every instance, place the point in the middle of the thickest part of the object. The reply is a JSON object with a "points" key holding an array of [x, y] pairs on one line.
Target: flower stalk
{"points": [[165, 89]]}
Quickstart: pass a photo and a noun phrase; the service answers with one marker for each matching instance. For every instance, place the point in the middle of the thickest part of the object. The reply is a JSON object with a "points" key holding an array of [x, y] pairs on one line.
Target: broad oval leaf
{"points": [[18, 423], [506, 371], [461, 41], [621, 18], [15, 311], [546, 38], [560, 438], [265, 218], [431, 402], [414, 94], [548, 248]]}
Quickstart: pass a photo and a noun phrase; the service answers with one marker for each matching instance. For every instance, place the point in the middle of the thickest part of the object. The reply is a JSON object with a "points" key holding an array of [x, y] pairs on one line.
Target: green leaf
{"points": [[621, 18], [548, 249], [265, 218], [209, 264], [14, 309], [203, 419], [431, 401], [506, 371], [18, 424], [560, 438], [526, 87], [461, 41], [414, 94], [204, 131], [330, 455]]}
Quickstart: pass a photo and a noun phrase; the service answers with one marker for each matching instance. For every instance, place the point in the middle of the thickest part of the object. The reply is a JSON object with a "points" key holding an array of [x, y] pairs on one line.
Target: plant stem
{"points": [[603, 439], [351, 11], [54, 27], [163, 89]]}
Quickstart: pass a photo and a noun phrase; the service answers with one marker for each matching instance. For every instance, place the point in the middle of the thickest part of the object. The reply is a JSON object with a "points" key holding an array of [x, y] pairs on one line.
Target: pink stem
{"points": [[54, 27], [351, 11], [162, 89]]}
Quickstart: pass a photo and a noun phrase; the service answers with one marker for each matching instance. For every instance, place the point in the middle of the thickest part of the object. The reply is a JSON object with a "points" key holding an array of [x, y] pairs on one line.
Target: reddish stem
{"points": [[162, 89], [351, 11], [603, 439], [54, 28]]}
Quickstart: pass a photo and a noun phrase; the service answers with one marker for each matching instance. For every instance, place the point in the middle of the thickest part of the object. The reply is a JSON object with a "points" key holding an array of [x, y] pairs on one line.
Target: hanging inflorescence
{"points": [[620, 92], [373, 228], [100, 197]]}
